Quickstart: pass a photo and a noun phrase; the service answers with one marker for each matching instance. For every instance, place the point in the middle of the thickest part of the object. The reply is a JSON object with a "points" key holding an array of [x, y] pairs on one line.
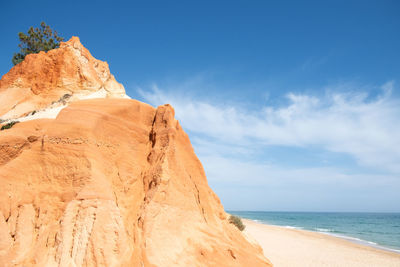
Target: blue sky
{"points": [[289, 105]]}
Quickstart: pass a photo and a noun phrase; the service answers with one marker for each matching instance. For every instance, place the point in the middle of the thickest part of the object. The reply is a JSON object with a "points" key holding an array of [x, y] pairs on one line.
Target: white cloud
{"points": [[353, 123], [244, 185], [228, 138]]}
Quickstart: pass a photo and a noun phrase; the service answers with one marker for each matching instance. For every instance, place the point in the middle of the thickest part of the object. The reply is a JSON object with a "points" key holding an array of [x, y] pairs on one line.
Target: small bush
{"points": [[237, 221], [38, 39], [8, 125]]}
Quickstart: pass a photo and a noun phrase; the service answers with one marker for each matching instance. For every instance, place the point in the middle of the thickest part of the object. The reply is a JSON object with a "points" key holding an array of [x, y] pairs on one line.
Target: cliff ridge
{"points": [[105, 182]]}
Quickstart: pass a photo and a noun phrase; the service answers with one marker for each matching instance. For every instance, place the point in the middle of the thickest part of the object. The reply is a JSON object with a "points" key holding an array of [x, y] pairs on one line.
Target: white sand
{"points": [[292, 247]]}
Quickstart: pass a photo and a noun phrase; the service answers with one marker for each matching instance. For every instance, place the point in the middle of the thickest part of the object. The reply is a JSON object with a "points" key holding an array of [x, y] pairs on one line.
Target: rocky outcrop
{"points": [[46, 80], [109, 182]]}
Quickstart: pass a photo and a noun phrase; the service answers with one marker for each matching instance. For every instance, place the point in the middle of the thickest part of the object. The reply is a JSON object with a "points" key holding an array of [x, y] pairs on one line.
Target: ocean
{"points": [[381, 230]]}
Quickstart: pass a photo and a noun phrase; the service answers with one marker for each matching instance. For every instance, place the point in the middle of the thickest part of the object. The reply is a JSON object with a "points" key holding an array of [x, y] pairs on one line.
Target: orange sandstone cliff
{"points": [[108, 181], [48, 80]]}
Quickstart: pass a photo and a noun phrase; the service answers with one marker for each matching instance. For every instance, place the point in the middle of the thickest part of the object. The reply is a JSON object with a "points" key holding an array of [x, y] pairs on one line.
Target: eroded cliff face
{"points": [[111, 182]]}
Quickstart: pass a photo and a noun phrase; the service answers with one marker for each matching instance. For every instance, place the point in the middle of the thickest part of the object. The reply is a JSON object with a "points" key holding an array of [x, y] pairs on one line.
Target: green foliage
{"points": [[237, 221], [38, 39], [8, 125]]}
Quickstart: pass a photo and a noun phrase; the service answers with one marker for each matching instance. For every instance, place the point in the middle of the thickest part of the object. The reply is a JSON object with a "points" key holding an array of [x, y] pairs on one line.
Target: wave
{"points": [[324, 230], [362, 242], [291, 227], [284, 226], [334, 233]]}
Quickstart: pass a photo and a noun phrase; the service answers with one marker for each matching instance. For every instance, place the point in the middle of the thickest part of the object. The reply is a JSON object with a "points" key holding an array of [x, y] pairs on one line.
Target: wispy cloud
{"points": [[362, 126], [314, 63]]}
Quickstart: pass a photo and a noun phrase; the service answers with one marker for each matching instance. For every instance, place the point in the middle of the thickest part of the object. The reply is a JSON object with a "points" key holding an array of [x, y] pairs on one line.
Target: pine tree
{"points": [[38, 39]]}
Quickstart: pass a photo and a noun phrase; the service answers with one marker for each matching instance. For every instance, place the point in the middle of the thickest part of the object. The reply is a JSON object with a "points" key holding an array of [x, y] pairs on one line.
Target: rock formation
{"points": [[47, 80], [108, 182]]}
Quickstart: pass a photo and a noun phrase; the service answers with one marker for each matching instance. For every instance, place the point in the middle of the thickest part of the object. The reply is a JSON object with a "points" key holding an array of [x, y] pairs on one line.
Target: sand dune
{"points": [[292, 247]]}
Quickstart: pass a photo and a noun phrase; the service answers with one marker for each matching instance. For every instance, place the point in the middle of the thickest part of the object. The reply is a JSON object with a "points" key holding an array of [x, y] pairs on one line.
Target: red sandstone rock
{"points": [[109, 182], [44, 78]]}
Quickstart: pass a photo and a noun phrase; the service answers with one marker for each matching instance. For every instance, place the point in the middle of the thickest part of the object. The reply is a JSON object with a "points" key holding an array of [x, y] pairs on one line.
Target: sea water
{"points": [[380, 230]]}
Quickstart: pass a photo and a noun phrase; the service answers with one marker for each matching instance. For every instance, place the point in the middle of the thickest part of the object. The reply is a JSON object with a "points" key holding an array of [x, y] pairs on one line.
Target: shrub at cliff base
{"points": [[237, 222]]}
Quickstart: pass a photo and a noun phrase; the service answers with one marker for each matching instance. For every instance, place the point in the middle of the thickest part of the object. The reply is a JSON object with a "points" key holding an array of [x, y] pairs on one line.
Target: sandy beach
{"points": [[293, 247]]}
